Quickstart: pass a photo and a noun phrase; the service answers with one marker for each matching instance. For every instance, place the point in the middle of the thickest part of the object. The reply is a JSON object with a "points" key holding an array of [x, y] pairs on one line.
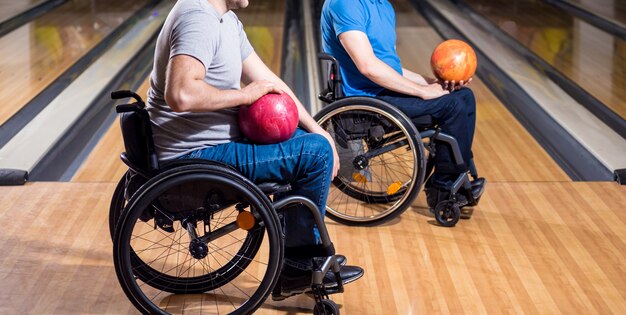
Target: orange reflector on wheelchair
{"points": [[394, 188], [245, 220], [359, 178]]}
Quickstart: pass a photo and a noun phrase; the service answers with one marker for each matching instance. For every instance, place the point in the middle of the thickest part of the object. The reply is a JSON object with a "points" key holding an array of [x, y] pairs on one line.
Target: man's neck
{"points": [[219, 5]]}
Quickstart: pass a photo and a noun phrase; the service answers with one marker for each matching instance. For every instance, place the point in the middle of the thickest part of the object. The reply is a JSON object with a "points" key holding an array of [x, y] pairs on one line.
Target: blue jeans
{"points": [[456, 114], [305, 161]]}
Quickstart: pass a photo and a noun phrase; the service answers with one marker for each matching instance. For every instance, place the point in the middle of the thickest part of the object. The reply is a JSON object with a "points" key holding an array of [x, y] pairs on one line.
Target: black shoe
{"points": [[478, 188], [293, 281], [434, 195], [341, 259]]}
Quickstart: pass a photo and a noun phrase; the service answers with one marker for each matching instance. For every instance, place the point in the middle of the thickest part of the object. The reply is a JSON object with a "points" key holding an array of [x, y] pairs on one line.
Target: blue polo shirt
{"points": [[375, 18]]}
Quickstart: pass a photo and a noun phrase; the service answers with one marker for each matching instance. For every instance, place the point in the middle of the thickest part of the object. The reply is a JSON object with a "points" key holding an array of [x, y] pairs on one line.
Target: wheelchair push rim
{"points": [[222, 279], [391, 167]]}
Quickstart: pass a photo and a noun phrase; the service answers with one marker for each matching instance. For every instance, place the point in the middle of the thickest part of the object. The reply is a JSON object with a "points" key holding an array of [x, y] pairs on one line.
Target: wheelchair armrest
{"points": [[270, 188]]}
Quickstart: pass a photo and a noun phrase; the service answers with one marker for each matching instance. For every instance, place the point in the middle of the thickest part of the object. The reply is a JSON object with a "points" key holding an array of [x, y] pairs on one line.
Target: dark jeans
{"points": [[305, 161], [456, 114]]}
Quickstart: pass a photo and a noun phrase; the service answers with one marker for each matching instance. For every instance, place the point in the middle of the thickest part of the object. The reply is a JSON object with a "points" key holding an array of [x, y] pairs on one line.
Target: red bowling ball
{"points": [[271, 119]]}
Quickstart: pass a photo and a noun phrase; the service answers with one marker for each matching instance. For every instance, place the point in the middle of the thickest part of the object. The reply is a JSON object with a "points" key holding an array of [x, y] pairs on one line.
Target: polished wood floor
{"points": [[588, 56], [554, 247], [37, 53]]}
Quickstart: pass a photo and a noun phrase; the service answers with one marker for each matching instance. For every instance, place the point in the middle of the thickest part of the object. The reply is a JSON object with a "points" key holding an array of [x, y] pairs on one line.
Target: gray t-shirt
{"points": [[194, 28]]}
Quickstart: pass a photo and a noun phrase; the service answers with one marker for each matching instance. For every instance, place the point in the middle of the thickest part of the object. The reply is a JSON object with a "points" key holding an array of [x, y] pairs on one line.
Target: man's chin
{"points": [[240, 5]]}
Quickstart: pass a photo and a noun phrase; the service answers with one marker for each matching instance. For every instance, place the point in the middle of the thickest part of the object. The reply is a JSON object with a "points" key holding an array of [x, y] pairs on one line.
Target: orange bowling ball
{"points": [[453, 60]]}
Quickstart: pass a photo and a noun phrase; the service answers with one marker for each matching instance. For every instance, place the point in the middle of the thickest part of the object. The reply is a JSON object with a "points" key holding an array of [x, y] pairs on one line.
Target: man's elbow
{"points": [[367, 69], [178, 101]]}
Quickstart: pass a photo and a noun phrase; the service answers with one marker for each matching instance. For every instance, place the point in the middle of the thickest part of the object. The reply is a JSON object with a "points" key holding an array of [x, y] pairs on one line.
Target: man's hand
{"points": [[257, 89], [335, 155], [433, 91], [453, 85]]}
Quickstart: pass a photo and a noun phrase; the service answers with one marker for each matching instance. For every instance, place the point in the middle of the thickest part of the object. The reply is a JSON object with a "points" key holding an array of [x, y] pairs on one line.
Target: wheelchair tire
{"points": [[117, 204], [151, 263], [447, 213], [326, 307], [382, 161]]}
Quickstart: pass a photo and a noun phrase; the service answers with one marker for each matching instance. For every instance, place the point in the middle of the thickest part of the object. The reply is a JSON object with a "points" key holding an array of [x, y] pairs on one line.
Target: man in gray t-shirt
{"points": [[202, 55]]}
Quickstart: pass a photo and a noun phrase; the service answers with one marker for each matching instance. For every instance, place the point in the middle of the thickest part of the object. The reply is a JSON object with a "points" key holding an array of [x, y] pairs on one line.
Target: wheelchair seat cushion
{"points": [[273, 188], [423, 122]]}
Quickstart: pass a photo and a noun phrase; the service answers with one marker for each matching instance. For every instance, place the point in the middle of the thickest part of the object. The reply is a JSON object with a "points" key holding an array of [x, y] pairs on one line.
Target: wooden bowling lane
{"points": [[37, 53], [263, 21], [11, 8], [530, 248], [103, 163], [503, 149], [588, 56], [611, 9]]}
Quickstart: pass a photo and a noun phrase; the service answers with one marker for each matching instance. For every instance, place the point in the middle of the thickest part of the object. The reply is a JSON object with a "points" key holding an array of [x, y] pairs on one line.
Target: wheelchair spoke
{"points": [[248, 273]]}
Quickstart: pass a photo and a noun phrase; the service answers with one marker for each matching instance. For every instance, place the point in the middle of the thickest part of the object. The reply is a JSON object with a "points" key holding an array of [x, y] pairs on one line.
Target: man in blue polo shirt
{"points": [[361, 35]]}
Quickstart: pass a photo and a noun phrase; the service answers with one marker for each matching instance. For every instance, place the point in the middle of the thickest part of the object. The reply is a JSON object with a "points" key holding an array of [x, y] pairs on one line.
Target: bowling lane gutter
{"points": [[34, 149], [614, 27], [22, 18], [301, 74], [18, 121], [67, 156], [584, 147], [595, 106]]}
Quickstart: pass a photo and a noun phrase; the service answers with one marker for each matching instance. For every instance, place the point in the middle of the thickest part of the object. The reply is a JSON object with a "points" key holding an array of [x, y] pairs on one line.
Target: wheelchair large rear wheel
{"points": [[117, 205], [201, 262], [382, 161], [118, 202]]}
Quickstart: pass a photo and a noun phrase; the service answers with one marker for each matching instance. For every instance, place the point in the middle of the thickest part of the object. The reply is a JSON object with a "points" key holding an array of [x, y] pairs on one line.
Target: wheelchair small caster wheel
{"points": [[326, 307], [447, 213]]}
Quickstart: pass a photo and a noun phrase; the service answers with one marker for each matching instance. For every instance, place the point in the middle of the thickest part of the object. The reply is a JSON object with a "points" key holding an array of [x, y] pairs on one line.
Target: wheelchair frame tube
{"points": [[386, 148], [329, 262], [219, 232], [433, 134], [314, 211]]}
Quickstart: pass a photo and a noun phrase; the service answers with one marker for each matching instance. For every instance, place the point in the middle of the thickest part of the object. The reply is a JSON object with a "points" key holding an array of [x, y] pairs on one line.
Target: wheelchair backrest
{"points": [[334, 86], [140, 153]]}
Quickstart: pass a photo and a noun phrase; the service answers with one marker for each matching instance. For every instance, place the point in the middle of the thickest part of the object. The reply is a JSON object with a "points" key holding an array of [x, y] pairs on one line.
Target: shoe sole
{"points": [[308, 290]]}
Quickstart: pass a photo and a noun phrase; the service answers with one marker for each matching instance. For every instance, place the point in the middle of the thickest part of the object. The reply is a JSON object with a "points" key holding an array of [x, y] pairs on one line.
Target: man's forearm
{"points": [[197, 96], [417, 78], [387, 77]]}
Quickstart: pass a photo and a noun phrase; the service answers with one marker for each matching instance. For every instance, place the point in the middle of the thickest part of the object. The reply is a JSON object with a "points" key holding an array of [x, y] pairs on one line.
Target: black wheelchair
{"points": [[385, 157], [195, 236]]}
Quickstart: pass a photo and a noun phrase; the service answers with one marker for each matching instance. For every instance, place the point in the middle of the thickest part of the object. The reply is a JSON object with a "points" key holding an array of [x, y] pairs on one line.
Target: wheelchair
{"points": [[385, 157], [195, 236]]}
